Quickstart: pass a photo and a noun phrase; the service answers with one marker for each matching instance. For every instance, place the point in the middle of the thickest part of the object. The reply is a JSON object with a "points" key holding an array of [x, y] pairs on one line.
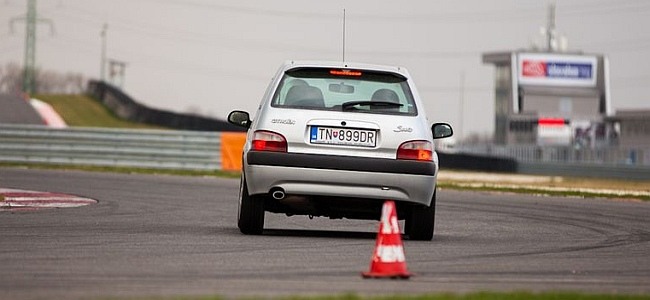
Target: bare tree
{"points": [[47, 81], [10, 78]]}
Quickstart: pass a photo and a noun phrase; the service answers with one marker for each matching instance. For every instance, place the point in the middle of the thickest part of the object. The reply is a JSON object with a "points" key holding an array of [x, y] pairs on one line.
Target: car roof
{"points": [[290, 64]]}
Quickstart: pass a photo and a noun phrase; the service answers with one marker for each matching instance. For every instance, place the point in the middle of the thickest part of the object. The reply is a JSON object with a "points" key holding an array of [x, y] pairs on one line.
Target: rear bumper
{"points": [[336, 176], [341, 163]]}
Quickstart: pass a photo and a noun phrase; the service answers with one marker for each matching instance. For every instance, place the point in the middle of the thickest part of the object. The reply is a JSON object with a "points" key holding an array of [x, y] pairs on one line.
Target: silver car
{"points": [[336, 140]]}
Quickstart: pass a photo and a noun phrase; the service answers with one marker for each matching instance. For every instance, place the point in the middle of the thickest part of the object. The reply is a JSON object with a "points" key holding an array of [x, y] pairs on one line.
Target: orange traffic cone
{"points": [[388, 260]]}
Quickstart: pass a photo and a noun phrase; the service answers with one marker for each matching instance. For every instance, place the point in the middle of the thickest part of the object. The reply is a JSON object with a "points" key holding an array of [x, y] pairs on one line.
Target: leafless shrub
{"points": [[47, 81]]}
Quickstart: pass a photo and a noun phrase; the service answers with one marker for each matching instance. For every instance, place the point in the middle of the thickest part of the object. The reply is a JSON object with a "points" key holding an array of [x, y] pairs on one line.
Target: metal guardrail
{"points": [[164, 149], [192, 150], [556, 154], [621, 163]]}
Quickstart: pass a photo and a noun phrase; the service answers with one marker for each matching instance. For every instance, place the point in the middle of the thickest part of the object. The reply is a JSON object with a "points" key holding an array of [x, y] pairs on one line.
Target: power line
{"points": [[609, 8], [640, 44], [162, 32], [632, 81], [503, 15], [454, 89]]}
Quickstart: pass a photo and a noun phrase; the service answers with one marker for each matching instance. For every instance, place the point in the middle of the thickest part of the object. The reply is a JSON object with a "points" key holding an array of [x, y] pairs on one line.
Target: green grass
{"points": [[125, 170], [84, 111], [439, 296], [484, 296], [539, 191]]}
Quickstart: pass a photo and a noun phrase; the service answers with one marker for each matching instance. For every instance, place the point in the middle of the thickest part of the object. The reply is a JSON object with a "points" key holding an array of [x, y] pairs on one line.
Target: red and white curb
{"points": [[21, 200]]}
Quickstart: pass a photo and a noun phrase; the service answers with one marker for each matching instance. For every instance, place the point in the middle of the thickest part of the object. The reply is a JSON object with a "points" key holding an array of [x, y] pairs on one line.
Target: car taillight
{"points": [[269, 141], [416, 150]]}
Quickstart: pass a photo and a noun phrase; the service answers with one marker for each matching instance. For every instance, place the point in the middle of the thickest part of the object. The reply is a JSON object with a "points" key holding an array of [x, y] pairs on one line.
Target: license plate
{"points": [[343, 136]]}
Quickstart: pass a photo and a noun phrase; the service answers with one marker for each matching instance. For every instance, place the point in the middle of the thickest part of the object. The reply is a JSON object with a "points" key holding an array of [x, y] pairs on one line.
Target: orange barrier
{"points": [[232, 145]]}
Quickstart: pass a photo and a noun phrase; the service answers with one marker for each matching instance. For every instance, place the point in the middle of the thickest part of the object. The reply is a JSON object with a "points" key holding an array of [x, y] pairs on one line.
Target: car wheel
{"points": [[250, 218], [420, 222]]}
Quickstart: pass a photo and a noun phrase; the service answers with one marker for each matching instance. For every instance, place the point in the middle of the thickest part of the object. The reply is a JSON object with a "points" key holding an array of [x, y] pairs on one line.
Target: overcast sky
{"points": [[215, 56]]}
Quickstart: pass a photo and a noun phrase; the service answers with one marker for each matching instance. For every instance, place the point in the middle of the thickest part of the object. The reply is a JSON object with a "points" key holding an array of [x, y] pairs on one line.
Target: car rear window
{"points": [[345, 90]]}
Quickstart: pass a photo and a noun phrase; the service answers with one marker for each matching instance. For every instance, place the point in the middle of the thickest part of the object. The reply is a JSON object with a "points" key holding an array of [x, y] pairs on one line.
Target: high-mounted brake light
{"points": [[269, 141], [346, 73], [416, 150], [551, 122]]}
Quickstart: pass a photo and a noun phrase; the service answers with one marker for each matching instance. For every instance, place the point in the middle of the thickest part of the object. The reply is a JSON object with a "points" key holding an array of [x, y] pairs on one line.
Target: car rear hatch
{"points": [[345, 133]]}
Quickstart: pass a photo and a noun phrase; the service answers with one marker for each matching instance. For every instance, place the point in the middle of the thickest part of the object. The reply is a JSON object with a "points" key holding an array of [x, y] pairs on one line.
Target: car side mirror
{"points": [[441, 130], [239, 118]]}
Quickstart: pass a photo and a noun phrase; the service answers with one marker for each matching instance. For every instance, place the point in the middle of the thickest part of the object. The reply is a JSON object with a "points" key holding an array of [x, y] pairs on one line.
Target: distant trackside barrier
{"points": [[477, 162], [161, 149], [128, 108], [200, 150]]}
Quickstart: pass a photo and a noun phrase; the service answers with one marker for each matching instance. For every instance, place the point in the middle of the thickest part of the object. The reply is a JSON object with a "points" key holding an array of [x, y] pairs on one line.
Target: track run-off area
{"points": [[169, 235]]}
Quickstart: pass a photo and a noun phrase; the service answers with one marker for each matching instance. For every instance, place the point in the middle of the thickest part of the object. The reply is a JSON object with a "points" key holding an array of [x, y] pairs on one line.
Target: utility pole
{"points": [[551, 34], [344, 35], [461, 105], [30, 48], [102, 68], [30, 44]]}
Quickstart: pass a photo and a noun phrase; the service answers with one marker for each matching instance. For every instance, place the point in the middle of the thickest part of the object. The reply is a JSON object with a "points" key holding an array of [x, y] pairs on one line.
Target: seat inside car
{"points": [[385, 95], [304, 95]]}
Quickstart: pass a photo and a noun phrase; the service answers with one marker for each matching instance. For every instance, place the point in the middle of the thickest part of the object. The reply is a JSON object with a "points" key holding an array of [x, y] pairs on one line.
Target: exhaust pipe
{"points": [[278, 194]]}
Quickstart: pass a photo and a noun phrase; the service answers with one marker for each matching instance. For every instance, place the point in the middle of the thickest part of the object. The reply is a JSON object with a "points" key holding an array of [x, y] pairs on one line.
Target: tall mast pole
{"points": [[30, 48], [102, 68]]}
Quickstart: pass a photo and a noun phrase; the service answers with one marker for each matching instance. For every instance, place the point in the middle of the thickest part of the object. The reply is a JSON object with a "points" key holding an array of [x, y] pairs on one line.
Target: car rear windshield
{"points": [[345, 90]]}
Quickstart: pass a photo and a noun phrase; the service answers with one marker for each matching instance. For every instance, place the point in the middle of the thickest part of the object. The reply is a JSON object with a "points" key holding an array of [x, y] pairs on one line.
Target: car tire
{"points": [[250, 218], [421, 220]]}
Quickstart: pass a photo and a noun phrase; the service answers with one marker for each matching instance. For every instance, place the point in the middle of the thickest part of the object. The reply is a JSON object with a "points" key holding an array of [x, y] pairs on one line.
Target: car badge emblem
{"points": [[284, 121], [403, 129]]}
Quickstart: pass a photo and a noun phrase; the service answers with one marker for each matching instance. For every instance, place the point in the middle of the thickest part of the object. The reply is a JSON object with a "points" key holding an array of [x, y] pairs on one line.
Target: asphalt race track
{"points": [[169, 235]]}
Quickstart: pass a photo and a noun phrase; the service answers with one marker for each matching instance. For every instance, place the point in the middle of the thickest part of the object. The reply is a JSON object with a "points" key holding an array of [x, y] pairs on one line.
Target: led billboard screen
{"points": [[557, 70]]}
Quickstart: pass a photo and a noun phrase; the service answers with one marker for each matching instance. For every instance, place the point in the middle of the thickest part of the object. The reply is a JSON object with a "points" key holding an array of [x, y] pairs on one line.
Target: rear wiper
{"points": [[351, 104]]}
